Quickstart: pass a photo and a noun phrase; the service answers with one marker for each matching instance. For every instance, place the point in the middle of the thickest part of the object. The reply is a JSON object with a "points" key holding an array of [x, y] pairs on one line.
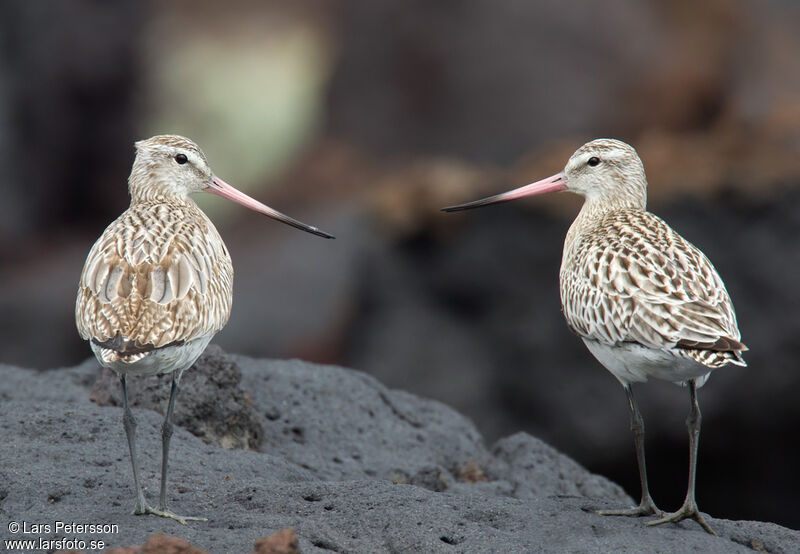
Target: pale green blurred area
{"points": [[250, 93]]}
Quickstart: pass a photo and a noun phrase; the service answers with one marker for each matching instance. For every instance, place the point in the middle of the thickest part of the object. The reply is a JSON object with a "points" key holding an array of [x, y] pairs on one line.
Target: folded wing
{"points": [[634, 279], [154, 278]]}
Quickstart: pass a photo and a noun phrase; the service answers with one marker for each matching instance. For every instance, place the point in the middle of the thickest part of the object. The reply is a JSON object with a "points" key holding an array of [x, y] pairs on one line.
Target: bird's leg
{"points": [[166, 435], [129, 423], [689, 508], [646, 507]]}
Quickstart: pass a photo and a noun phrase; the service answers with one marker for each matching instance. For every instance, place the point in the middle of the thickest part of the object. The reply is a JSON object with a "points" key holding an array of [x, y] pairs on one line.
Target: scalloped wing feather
{"points": [[631, 278], [159, 274]]}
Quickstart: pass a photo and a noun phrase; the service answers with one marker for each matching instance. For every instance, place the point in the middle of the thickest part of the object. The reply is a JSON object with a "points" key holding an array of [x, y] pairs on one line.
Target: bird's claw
{"points": [[163, 512], [645, 508], [687, 511]]}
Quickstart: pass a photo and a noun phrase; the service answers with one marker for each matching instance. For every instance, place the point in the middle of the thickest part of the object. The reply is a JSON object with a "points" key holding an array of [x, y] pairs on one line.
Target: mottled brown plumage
{"points": [[158, 283], [626, 276], [159, 274], [645, 301]]}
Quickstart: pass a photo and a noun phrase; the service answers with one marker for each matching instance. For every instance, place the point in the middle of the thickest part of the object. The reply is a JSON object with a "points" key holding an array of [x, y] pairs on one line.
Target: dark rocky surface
{"points": [[211, 403], [349, 464]]}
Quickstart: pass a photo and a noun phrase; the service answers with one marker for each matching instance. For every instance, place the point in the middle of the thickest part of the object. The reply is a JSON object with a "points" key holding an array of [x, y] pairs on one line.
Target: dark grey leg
{"points": [[129, 423], [689, 508], [166, 435], [646, 506]]}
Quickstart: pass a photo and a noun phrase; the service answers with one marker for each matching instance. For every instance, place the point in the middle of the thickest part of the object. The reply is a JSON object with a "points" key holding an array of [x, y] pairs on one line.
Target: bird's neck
{"points": [[592, 212], [147, 189], [596, 207]]}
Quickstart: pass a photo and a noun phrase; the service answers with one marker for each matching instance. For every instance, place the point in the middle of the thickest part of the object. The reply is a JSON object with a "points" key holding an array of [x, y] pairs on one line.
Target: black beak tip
{"points": [[320, 233]]}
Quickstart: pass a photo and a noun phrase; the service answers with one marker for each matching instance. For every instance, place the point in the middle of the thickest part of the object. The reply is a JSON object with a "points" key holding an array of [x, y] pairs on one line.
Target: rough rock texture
{"points": [[349, 464], [211, 402]]}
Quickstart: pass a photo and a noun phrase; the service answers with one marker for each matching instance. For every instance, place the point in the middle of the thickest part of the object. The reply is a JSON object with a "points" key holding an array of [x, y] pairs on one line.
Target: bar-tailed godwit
{"points": [[645, 301], [158, 283]]}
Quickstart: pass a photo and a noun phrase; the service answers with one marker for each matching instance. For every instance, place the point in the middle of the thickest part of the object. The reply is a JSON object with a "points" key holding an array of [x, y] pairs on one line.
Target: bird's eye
{"points": [[593, 161], [181, 158]]}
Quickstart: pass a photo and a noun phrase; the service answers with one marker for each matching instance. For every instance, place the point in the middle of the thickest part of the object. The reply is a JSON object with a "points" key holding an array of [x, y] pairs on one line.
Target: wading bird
{"points": [[158, 283], [646, 302]]}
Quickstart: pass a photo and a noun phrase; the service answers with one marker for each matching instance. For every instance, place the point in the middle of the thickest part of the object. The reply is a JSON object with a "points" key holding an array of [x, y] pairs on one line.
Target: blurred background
{"points": [[364, 118]]}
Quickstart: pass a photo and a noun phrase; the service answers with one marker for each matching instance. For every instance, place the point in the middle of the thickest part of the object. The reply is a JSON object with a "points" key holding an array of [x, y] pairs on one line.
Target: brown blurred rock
{"points": [[282, 542], [406, 198], [160, 544], [758, 161], [211, 403], [156, 544], [472, 473]]}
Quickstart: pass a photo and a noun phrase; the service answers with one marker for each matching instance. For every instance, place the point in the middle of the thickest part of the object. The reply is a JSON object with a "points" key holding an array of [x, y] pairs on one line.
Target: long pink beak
{"points": [[221, 188], [550, 184]]}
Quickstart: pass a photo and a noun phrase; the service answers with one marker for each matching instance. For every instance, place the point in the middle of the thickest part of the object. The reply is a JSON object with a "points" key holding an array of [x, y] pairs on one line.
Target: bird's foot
{"points": [[687, 511], [163, 512], [645, 508]]}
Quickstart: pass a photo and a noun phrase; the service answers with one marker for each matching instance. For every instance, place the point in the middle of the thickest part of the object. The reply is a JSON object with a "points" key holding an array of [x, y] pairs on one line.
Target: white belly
{"points": [[162, 360], [632, 363]]}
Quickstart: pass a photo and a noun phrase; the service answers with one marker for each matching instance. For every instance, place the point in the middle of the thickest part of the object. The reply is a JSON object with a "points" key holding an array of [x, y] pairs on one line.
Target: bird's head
{"points": [[603, 170], [607, 170], [169, 165], [174, 166]]}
